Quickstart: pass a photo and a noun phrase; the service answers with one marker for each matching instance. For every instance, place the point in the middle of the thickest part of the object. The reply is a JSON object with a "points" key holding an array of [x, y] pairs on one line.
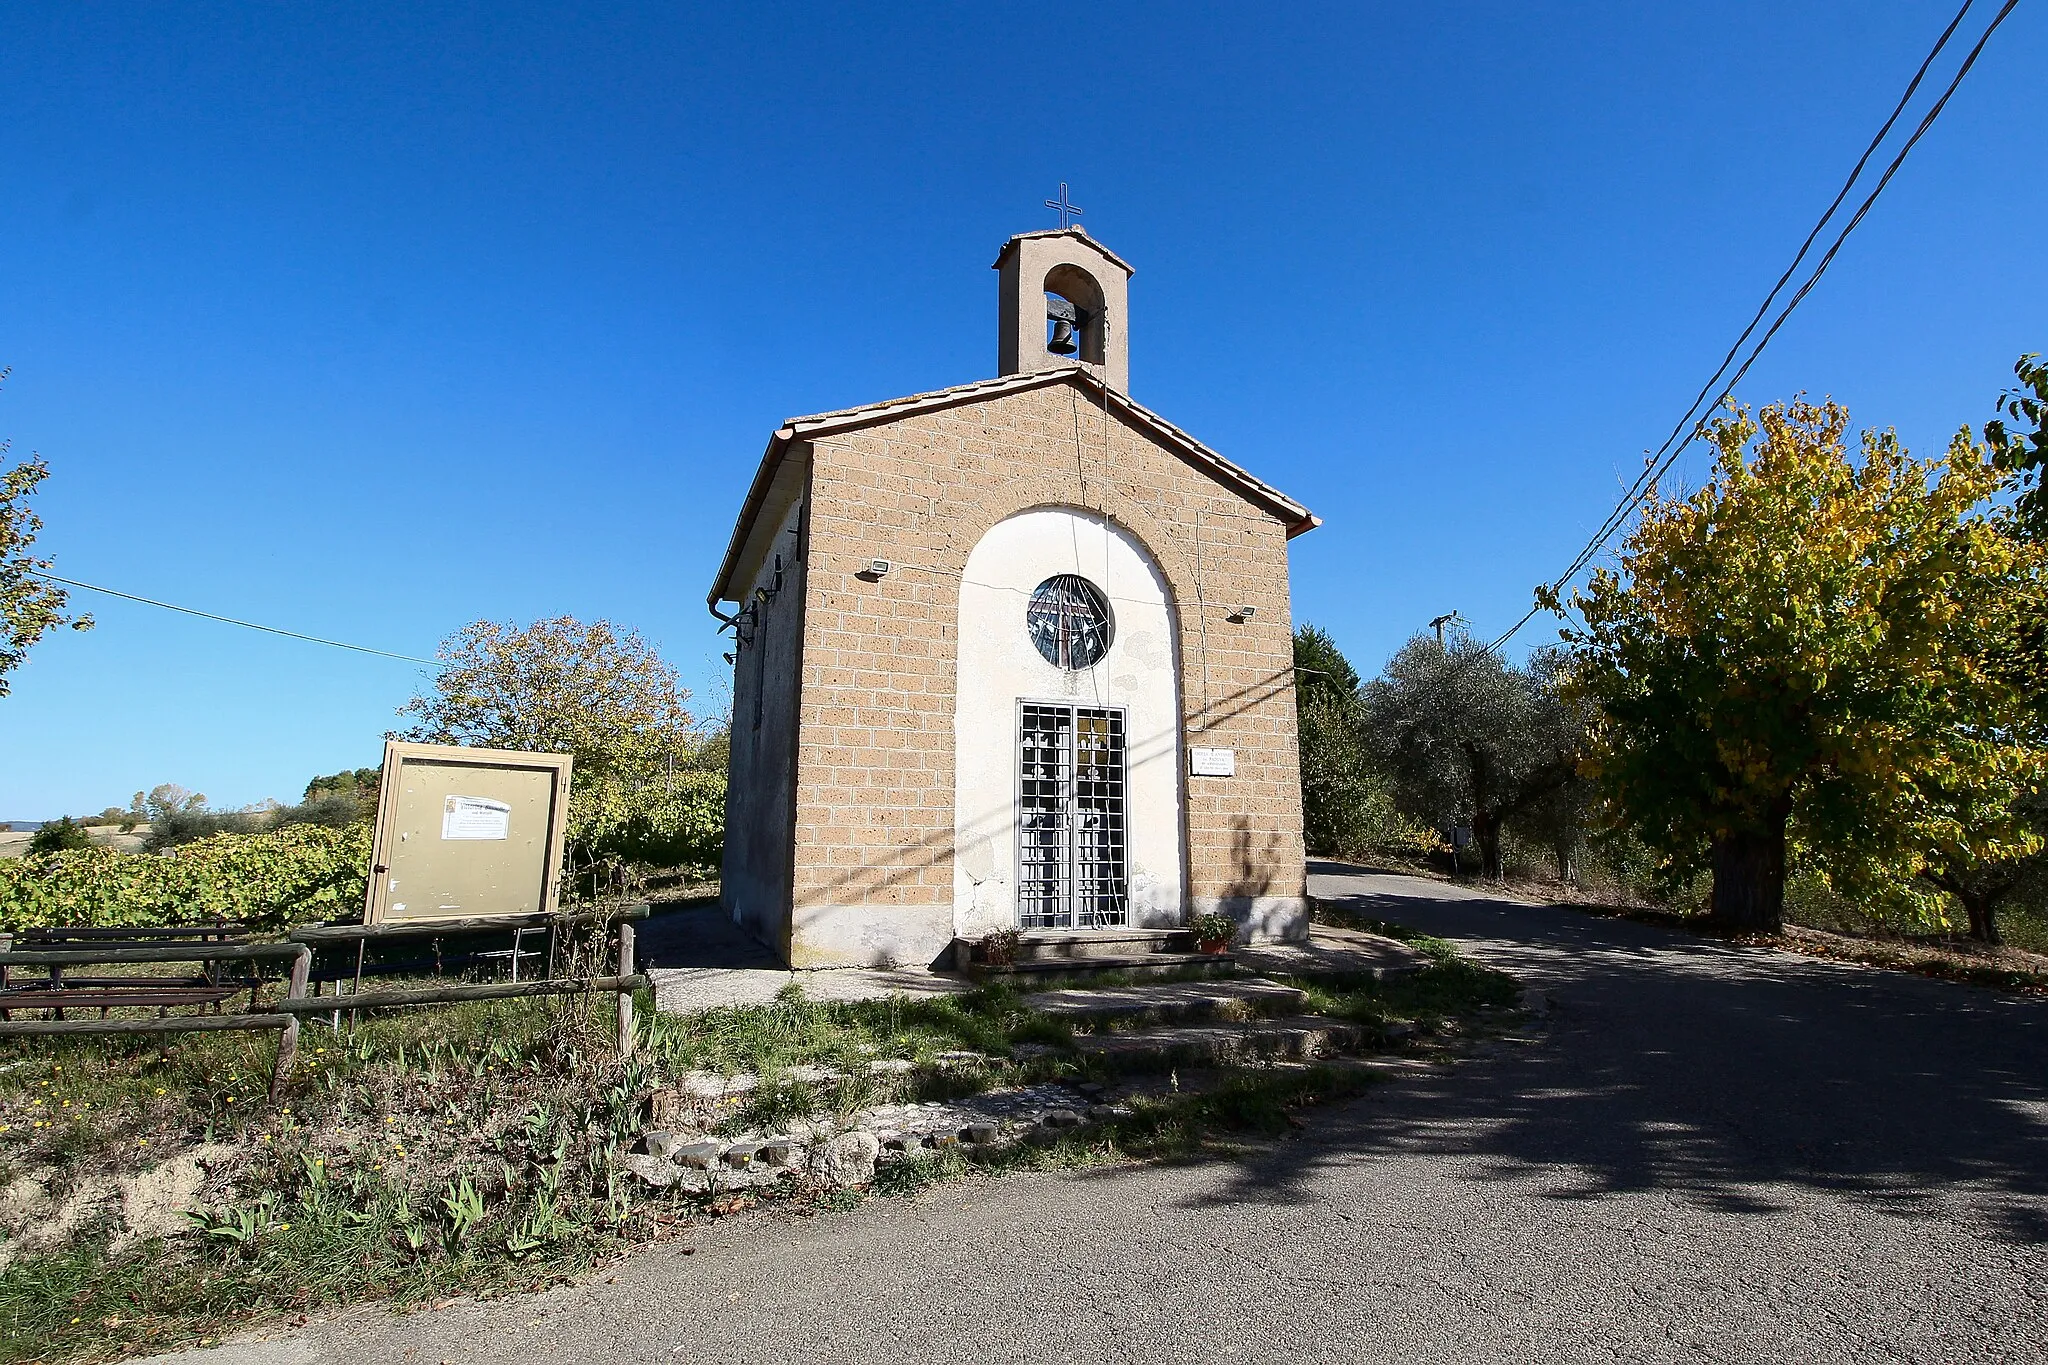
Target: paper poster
{"points": [[1212, 762], [475, 817]]}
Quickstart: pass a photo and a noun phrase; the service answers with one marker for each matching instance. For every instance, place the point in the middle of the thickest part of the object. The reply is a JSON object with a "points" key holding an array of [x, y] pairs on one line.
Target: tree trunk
{"points": [[1983, 913], [1486, 833], [1566, 851], [1485, 819], [1749, 877]]}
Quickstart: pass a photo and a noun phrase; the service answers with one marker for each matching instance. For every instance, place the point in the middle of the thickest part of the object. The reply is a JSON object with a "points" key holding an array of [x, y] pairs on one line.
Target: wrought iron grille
{"points": [[1070, 817]]}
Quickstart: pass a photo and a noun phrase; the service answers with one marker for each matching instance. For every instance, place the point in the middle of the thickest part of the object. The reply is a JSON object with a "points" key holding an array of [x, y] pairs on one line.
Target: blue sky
{"points": [[278, 281]]}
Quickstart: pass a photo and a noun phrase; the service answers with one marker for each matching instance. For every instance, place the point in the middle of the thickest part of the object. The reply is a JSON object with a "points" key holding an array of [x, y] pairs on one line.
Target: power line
{"points": [[1912, 87], [231, 621], [1668, 453]]}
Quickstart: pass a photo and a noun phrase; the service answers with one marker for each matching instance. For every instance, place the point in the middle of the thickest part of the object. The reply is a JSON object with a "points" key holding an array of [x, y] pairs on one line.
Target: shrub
{"points": [[194, 823], [268, 881], [58, 836], [335, 810], [674, 821]]}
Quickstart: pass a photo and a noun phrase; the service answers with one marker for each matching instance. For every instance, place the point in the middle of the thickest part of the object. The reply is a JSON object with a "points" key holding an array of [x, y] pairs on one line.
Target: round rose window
{"points": [[1069, 621]]}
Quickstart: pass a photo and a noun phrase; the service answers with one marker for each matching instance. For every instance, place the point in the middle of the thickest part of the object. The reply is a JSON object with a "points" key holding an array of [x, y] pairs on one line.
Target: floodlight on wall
{"points": [[1243, 613], [876, 568]]}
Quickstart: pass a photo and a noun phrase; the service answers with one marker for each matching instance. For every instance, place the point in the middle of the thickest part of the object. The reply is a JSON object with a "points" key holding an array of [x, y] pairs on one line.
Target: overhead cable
{"points": [[1667, 454], [231, 621]]}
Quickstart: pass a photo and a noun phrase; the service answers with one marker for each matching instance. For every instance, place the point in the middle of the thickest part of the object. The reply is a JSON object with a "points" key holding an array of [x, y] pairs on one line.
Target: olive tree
{"points": [[1344, 804], [1469, 739]]}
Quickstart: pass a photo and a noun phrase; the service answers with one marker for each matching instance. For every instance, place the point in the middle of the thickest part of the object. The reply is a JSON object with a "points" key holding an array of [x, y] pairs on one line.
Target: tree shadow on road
{"points": [[1717, 1072]]}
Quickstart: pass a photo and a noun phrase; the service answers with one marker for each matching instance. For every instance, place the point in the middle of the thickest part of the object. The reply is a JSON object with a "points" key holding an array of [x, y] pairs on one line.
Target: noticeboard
{"points": [[466, 833]]}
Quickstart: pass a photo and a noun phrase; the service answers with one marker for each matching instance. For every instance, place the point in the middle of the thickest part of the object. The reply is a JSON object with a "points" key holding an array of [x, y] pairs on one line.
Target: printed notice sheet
{"points": [[475, 817]]}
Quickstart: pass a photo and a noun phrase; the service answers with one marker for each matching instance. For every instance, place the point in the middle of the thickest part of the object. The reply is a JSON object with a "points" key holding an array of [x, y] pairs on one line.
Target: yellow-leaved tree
{"points": [[1821, 647]]}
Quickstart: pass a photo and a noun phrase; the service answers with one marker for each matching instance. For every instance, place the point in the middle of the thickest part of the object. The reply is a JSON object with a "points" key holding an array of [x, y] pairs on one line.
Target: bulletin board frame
{"points": [[527, 889]]}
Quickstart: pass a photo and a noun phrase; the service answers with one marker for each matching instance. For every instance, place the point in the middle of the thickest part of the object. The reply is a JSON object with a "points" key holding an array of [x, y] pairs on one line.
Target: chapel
{"points": [[1012, 654]]}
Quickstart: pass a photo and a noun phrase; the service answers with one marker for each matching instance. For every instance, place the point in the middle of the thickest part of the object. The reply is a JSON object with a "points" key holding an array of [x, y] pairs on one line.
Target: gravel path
{"points": [[1710, 1154]]}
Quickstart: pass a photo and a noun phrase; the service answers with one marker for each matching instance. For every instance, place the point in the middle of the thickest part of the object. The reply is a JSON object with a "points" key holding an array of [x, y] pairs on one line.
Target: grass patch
{"points": [[1450, 988], [426, 1154], [847, 1035], [474, 1149], [162, 1294], [919, 1172]]}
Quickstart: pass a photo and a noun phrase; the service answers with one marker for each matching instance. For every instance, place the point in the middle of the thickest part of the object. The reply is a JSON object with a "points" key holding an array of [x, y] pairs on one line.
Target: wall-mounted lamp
{"points": [[875, 569], [1243, 613]]}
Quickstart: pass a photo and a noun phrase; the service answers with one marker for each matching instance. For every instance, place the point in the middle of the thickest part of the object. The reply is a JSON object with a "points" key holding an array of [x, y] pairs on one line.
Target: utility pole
{"points": [[1448, 618]]}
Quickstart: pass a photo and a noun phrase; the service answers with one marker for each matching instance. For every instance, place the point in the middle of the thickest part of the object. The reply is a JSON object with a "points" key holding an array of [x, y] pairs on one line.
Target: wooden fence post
{"points": [[288, 1039], [626, 994]]}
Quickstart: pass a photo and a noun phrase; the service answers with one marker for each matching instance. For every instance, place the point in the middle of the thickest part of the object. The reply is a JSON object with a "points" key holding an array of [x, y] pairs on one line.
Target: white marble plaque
{"points": [[1212, 762]]}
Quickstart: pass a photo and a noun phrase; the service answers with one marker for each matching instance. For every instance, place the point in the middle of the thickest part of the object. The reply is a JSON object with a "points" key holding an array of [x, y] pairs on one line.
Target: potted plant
{"points": [[1213, 931]]}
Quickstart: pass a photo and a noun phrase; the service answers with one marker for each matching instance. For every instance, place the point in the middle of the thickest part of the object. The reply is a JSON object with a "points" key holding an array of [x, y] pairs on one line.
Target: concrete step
{"points": [[1032, 975], [1295, 1038], [1169, 1002]]}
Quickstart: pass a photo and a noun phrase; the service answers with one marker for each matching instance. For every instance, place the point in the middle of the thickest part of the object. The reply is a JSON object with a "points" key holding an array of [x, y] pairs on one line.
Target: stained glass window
{"points": [[1069, 621]]}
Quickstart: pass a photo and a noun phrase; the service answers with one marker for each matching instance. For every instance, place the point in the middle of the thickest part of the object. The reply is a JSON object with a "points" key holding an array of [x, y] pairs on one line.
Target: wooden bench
{"points": [[158, 992], [59, 991], [130, 936]]}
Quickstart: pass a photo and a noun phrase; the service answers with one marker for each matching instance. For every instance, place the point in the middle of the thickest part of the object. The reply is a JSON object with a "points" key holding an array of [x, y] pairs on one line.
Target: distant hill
{"points": [[22, 826]]}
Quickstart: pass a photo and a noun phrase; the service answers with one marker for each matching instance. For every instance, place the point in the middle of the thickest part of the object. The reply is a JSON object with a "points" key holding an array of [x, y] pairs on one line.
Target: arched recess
{"points": [[999, 669], [1084, 291]]}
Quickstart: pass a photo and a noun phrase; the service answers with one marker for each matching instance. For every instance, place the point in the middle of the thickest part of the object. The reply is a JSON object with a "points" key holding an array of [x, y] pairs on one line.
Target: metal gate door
{"points": [[1070, 817]]}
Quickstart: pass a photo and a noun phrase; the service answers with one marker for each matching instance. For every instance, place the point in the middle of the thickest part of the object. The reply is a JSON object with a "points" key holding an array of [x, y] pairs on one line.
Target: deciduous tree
{"points": [[30, 606], [1810, 642], [2020, 452], [563, 686]]}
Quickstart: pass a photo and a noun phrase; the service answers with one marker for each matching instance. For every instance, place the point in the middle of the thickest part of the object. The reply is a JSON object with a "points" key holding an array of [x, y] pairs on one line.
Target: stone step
{"points": [[1032, 975], [1169, 1002], [1296, 1038], [1053, 945], [1045, 945]]}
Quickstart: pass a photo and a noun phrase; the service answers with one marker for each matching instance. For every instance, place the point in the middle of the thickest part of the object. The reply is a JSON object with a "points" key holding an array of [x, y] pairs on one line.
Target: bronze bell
{"points": [[1063, 316]]}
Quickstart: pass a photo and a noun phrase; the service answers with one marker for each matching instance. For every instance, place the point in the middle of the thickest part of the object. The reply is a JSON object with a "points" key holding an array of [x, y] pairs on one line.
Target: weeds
{"points": [[475, 1148], [846, 1035]]}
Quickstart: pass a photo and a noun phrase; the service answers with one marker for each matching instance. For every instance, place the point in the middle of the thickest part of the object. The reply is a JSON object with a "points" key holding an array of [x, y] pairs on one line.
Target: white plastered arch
{"points": [[999, 668]]}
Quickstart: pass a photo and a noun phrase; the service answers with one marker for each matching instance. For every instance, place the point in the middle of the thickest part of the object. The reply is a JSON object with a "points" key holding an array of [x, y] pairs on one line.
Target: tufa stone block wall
{"points": [[872, 879]]}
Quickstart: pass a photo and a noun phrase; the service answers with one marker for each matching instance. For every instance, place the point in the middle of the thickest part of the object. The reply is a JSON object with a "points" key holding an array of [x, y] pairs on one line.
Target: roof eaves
{"points": [[757, 493], [1296, 517], [1075, 231]]}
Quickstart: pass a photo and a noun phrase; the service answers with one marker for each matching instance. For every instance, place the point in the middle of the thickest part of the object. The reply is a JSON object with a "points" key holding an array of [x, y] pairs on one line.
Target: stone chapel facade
{"points": [[1016, 653]]}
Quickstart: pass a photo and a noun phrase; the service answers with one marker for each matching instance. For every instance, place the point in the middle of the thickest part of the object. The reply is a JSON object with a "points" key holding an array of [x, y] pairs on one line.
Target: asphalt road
{"points": [[1711, 1154]]}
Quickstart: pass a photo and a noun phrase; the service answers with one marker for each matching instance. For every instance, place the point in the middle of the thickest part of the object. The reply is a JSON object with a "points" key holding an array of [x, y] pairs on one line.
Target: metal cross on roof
{"points": [[1066, 210]]}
